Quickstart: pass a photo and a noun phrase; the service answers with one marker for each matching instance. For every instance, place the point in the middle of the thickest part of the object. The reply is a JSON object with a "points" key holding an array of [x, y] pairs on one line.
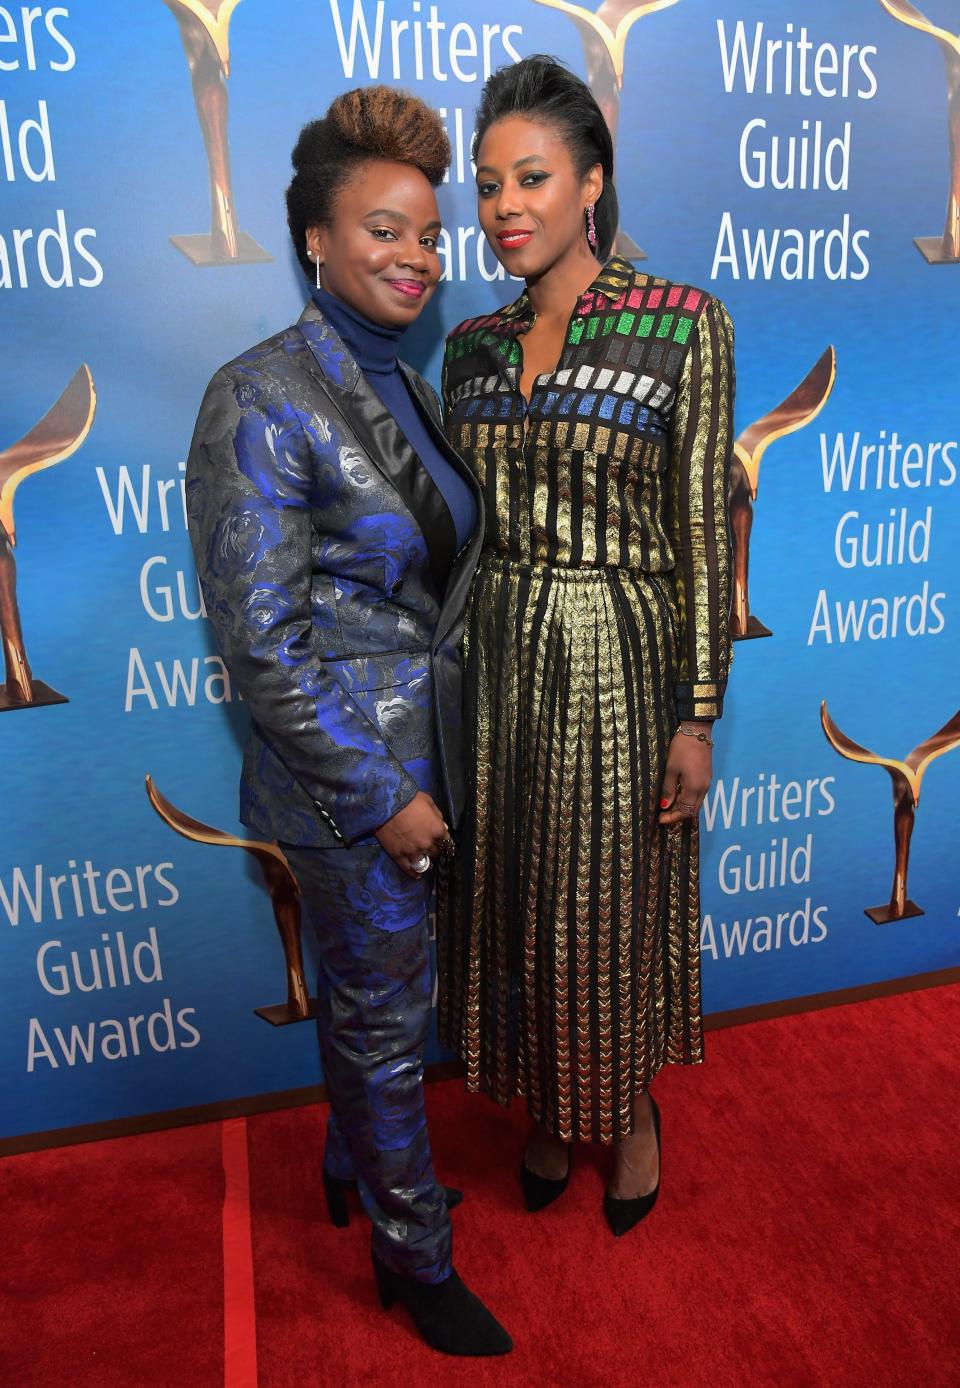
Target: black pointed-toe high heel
{"points": [[622, 1215], [447, 1314], [336, 1190], [541, 1191]]}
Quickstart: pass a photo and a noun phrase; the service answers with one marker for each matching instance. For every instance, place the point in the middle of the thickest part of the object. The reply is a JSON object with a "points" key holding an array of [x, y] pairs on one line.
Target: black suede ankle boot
{"points": [[447, 1314]]}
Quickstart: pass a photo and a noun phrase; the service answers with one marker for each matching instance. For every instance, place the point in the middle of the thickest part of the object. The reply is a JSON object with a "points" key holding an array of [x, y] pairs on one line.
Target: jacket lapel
{"points": [[382, 439], [465, 563]]}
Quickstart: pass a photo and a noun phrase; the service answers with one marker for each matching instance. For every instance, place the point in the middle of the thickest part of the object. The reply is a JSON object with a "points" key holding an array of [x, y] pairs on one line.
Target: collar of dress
{"points": [[615, 277]]}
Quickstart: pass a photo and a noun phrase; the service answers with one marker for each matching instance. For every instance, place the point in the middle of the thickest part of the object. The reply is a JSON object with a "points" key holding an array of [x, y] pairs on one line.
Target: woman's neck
{"points": [[554, 293], [372, 345]]}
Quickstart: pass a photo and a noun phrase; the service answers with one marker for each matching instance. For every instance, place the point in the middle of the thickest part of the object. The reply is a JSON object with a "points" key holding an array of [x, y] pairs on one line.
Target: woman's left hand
{"points": [[687, 777]]}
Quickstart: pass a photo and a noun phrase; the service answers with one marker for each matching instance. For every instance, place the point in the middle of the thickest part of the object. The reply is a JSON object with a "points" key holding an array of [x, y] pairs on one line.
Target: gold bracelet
{"points": [[700, 736]]}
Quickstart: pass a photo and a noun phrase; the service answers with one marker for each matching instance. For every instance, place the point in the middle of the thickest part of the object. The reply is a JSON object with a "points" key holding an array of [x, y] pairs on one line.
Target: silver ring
{"points": [[421, 864]]}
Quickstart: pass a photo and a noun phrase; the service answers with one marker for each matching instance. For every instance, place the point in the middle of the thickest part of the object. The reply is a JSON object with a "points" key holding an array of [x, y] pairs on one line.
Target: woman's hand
{"points": [[687, 777], [414, 833]]}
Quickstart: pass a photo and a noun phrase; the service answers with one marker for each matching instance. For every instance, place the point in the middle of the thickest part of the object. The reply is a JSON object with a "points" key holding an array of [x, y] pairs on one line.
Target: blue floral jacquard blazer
{"points": [[328, 565]]}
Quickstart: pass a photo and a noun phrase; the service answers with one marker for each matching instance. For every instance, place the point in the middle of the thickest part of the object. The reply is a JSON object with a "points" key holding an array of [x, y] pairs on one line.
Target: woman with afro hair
{"points": [[336, 534]]}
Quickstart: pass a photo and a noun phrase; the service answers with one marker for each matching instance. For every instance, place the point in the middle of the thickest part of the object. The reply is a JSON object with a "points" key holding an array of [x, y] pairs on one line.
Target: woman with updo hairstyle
{"points": [[596, 413], [336, 534]]}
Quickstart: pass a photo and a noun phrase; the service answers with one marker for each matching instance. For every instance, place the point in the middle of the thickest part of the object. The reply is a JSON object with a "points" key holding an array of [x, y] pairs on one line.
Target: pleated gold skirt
{"points": [[568, 927]]}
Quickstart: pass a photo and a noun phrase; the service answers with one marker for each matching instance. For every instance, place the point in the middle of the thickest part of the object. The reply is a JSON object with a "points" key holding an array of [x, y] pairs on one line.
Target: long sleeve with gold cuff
{"points": [[698, 514]]}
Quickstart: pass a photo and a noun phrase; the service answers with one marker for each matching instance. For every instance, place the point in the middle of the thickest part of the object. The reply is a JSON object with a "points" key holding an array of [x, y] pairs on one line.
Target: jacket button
{"points": [[397, 587]]}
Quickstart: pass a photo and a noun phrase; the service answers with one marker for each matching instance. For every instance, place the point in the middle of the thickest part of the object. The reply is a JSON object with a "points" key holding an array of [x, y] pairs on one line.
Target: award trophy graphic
{"points": [[800, 407], [204, 26], [284, 894], [945, 249], [906, 776], [603, 35], [59, 433]]}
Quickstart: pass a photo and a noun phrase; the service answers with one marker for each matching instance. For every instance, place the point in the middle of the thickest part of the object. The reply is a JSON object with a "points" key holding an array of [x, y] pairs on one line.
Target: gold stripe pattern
{"points": [[568, 927]]}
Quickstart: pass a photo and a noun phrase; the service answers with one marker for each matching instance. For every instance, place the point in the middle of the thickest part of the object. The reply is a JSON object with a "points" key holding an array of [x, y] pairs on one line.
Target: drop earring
{"points": [[317, 259], [591, 227]]}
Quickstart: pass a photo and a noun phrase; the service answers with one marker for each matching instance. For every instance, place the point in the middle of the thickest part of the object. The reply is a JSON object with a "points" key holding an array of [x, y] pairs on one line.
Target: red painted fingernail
{"points": [[664, 803]]}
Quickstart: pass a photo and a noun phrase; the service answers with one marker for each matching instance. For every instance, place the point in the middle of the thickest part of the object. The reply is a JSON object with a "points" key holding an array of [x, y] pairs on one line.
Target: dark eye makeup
{"points": [[533, 179]]}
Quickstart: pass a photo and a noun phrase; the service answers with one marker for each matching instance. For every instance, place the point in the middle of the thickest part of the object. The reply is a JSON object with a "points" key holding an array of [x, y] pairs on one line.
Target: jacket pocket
{"points": [[363, 674], [394, 690]]}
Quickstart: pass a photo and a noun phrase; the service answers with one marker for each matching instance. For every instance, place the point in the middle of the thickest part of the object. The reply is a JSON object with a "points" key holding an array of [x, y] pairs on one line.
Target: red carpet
{"points": [[807, 1234]]}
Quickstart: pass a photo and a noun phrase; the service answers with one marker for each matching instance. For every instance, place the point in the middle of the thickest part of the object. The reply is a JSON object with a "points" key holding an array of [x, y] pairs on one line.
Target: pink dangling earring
{"points": [[591, 227]]}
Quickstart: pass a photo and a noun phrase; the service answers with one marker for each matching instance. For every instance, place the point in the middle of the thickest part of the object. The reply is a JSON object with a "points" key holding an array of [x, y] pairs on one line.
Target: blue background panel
{"points": [[130, 168]]}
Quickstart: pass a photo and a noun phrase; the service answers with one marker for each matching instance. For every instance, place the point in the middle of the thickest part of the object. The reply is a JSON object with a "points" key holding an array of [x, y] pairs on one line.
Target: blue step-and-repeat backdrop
{"points": [[794, 159]]}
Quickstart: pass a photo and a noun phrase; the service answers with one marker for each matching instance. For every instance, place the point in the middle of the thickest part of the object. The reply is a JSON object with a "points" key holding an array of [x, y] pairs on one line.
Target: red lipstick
{"points": [[515, 238]]}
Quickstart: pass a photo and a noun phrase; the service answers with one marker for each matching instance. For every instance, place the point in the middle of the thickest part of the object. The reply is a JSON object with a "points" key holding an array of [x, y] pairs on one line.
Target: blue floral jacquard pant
{"points": [[370, 927]]}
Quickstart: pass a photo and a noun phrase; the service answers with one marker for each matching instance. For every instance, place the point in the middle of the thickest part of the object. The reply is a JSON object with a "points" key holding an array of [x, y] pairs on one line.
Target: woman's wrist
{"points": [[701, 729]]}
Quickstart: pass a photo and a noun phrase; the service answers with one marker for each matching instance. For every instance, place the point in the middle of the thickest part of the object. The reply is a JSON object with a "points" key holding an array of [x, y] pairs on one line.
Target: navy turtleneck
{"points": [[374, 348]]}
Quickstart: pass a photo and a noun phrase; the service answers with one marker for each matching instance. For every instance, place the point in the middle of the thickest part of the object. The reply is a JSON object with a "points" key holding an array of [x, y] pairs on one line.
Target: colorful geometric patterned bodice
{"points": [[620, 459]]}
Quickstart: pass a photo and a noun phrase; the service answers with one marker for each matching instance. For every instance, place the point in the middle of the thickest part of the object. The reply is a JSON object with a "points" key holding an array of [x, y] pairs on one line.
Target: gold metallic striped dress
{"points": [[568, 928]]}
